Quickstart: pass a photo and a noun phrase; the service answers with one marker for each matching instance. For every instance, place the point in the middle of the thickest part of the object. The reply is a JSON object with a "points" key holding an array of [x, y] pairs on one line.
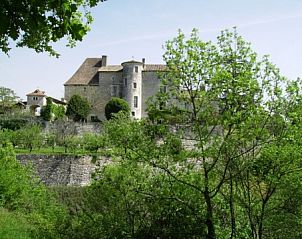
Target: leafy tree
{"points": [[134, 195], [213, 135], [226, 101], [52, 111], [93, 142], [50, 140], [30, 137], [8, 99], [59, 112], [116, 105], [38, 24], [22, 195], [78, 108], [72, 143], [47, 111]]}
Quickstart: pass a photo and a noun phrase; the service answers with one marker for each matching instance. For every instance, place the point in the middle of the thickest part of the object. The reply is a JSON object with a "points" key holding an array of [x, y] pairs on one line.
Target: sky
{"points": [[136, 29]]}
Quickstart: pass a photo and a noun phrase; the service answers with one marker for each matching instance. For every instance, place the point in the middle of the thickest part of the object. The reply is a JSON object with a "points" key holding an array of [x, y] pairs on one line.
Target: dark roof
{"points": [[87, 74], [37, 92]]}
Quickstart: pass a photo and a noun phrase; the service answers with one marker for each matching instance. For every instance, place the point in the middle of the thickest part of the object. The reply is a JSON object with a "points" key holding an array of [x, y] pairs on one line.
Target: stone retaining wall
{"points": [[63, 169]]}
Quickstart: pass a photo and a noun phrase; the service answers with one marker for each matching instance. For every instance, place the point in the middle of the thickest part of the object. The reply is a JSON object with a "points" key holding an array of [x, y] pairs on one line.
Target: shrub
{"points": [[78, 108], [116, 105]]}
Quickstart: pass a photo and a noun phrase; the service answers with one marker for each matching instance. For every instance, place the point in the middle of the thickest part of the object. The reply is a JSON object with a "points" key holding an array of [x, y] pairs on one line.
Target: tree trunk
{"points": [[232, 210], [209, 215]]}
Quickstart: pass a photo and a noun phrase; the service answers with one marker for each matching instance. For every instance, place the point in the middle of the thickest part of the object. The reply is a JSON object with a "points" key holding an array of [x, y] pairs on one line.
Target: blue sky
{"points": [[126, 29]]}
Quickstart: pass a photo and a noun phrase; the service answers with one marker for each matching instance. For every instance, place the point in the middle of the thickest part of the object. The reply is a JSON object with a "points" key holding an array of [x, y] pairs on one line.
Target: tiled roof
{"points": [[153, 67], [132, 61], [37, 92], [111, 68], [87, 73]]}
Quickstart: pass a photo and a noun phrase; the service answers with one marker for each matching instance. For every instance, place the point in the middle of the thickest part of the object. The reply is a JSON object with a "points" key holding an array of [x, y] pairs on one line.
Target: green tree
{"points": [[78, 108], [30, 137], [116, 105], [59, 112], [213, 134], [27, 201], [72, 143], [52, 111], [225, 100], [92, 142], [8, 99], [38, 24], [47, 111]]}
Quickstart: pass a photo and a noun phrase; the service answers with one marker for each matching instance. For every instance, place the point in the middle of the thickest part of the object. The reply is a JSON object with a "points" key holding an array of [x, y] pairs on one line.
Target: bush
{"points": [[47, 111], [116, 105], [52, 111], [32, 210], [78, 108], [13, 123]]}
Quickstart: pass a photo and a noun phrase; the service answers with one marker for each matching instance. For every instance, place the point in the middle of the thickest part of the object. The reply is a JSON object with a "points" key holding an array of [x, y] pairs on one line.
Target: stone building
{"points": [[37, 99], [133, 81]]}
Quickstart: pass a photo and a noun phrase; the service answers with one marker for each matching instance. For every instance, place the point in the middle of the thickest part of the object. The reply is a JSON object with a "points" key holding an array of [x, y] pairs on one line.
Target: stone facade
{"points": [[133, 81], [37, 99], [63, 169]]}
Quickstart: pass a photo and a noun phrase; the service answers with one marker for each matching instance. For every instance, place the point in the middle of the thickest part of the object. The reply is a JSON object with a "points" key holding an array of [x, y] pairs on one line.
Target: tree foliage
{"points": [[116, 105], [21, 194], [39, 24], [218, 148], [8, 99], [52, 111], [78, 108]]}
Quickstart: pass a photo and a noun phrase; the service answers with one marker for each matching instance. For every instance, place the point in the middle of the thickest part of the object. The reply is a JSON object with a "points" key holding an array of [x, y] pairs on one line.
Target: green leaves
{"points": [[116, 105], [78, 108], [39, 24]]}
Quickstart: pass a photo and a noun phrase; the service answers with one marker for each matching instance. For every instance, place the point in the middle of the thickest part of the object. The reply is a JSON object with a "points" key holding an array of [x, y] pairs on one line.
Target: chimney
{"points": [[104, 61], [144, 61]]}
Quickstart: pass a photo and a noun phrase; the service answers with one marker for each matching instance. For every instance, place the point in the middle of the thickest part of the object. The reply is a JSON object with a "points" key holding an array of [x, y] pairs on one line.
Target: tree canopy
{"points": [[38, 24], [78, 108], [116, 105], [7, 99], [220, 147]]}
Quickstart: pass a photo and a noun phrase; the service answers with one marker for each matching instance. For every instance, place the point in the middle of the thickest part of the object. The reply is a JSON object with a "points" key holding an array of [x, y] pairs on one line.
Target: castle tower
{"points": [[132, 84]]}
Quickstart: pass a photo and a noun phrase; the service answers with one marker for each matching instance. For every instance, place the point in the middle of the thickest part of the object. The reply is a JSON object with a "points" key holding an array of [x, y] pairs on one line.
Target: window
{"points": [[125, 82], [136, 69], [94, 118], [135, 103], [35, 98], [133, 113], [134, 85]]}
